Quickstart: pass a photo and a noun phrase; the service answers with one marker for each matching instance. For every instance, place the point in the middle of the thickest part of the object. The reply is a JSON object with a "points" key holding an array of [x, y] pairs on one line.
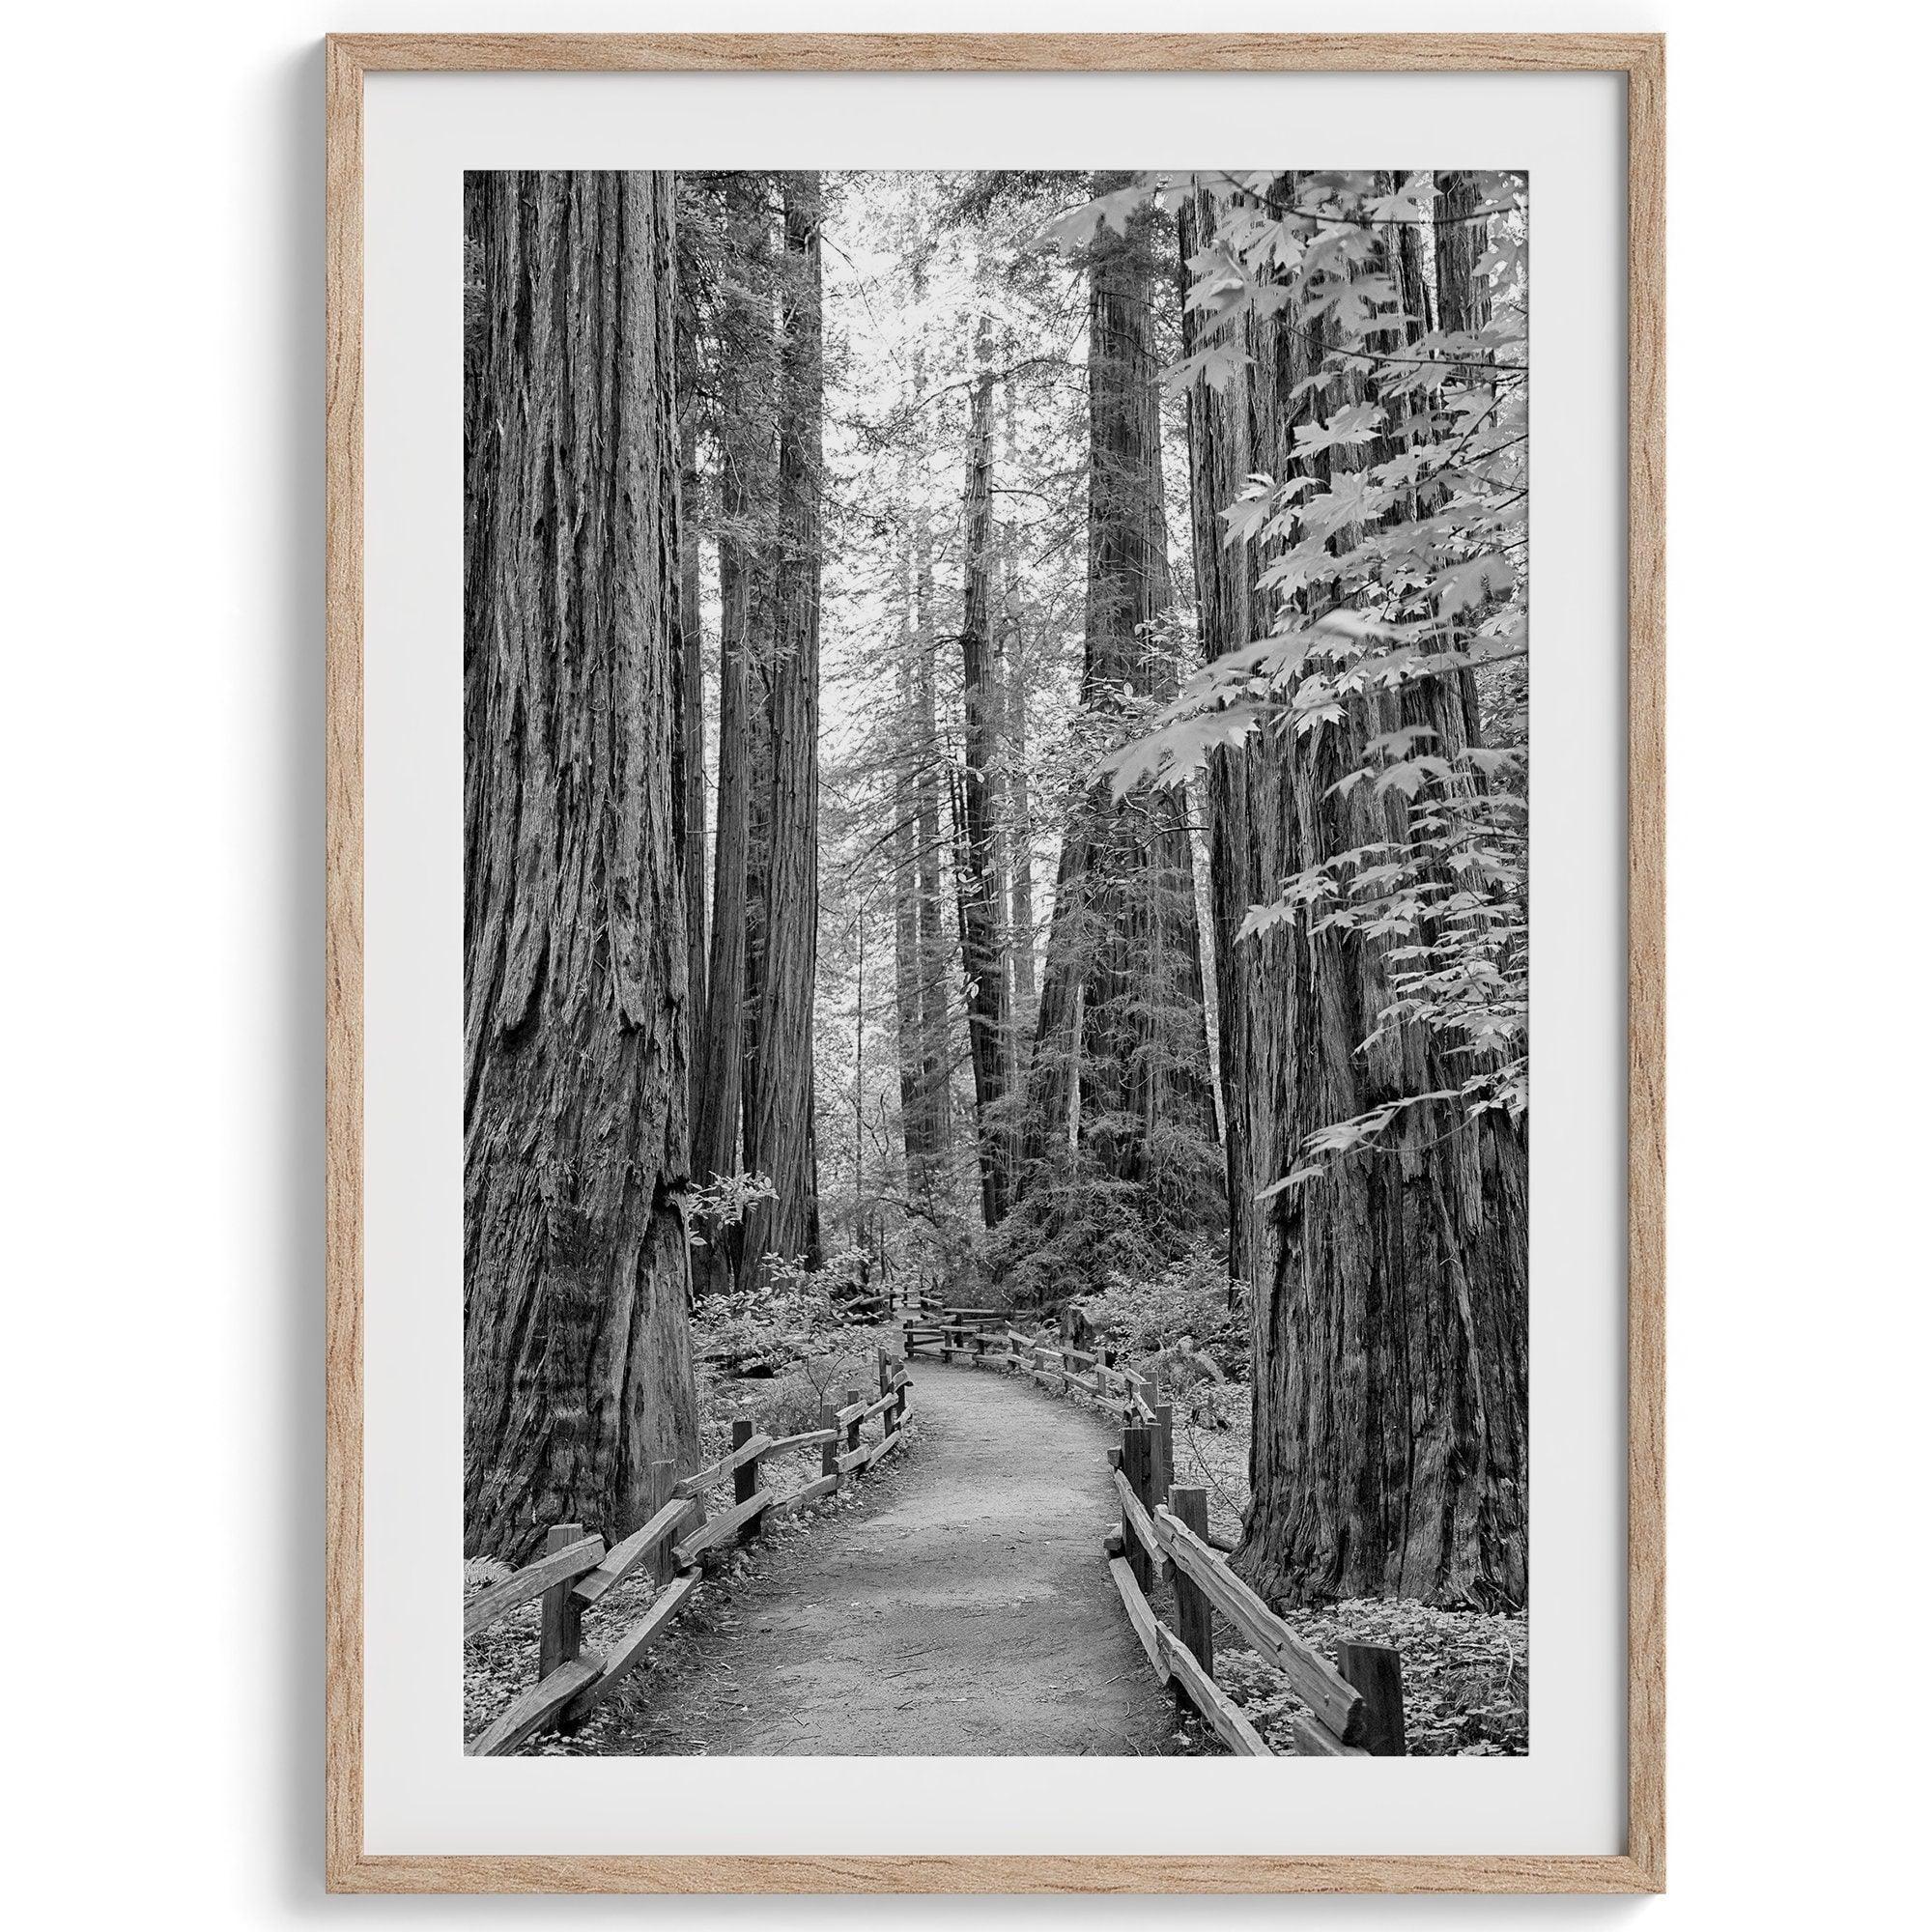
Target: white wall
{"points": [[160, 424]]}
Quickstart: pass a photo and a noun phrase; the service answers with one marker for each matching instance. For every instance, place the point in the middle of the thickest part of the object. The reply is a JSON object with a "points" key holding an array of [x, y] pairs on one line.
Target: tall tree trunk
{"points": [[979, 882], [744, 435], [924, 958], [1125, 927], [691, 667], [760, 665], [717, 1089], [1387, 1455], [1463, 296], [1233, 433], [1053, 1074], [577, 1352], [905, 913], [787, 1225], [935, 947], [1018, 826]]}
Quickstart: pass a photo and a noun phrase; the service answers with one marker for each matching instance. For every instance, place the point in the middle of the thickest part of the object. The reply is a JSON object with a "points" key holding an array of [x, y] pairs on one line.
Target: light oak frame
{"points": [[1640, 57]]}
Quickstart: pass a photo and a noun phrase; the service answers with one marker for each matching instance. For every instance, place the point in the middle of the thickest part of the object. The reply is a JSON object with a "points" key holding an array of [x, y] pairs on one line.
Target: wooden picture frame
{"points": [[1639, 1866]]}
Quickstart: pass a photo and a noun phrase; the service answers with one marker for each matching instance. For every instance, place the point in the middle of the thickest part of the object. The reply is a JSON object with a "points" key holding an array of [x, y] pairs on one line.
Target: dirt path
{"points": [[965, 1609]]}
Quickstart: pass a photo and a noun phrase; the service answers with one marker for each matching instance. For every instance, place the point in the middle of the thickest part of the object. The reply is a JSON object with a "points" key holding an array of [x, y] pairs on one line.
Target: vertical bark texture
{"points": [[575, 967], [980, 885], [1121, 1026], [716, 1091], [691, 669], [1462, 295], [1016, 791], [928, 1116], [905, 907], [782, 1113], [920, 960], [1389, 1296], [745, 431]]}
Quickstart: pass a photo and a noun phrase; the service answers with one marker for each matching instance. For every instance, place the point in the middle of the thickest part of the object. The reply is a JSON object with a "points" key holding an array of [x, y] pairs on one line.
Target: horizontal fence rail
{"points": [[576, 1571], [1354, 1703]]}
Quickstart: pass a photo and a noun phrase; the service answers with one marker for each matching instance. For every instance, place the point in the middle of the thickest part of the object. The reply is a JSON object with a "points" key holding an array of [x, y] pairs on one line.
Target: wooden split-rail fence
{"points": [[576, 1572], [881, 1304], [1354, 1703]]}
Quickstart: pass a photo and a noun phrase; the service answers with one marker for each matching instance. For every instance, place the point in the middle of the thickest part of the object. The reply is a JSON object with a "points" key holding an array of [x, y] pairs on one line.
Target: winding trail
{"points": [[964, 1609]]}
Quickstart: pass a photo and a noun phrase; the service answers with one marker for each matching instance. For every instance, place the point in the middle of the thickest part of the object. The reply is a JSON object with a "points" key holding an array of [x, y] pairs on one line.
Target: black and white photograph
{"points": [[995, 963], [778, 871]]}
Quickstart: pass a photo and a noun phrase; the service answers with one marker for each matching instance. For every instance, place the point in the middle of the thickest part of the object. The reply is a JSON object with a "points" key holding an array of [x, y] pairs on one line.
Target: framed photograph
{"points": [[941, 929]]}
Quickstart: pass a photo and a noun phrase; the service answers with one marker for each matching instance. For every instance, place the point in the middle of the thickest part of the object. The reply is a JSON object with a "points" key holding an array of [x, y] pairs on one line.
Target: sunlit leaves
{"points": [[1079, 228], [1413, 201], [1175, 751], [1215, 363], [1347, 428], [1392, 554]]}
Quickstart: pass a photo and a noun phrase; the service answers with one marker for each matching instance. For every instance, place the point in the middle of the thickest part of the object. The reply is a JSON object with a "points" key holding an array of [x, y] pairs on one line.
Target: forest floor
{"points": [[958, 1606]]}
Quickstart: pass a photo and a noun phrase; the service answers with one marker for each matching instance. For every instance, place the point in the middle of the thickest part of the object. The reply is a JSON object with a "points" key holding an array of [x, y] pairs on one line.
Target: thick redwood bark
{"points": [[576, 1018], [1122, 1023], [691, 672], [780, 1122], [1390, 1347], [1463, 296], [745, 428], [982, 893], [716, 1090]]}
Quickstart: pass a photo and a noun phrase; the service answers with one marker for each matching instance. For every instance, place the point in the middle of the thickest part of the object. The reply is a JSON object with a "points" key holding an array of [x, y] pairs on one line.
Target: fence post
{"points": [[745, 1477], [1194, 1615], [891, 1383], [1137, 1466], [562, 1613], [1163, 1436], [1375, 1671], [853, 1427], [700, 1515], [827, 1450], [663, 1479]]}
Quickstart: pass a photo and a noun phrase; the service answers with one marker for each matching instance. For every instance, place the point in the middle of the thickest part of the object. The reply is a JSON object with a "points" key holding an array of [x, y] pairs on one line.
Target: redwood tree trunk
{"points": [[1122, 1021], [920, 957], [715, 1088], [577, 1354], [743, 441], [935, 947], [691, 670], [782, 1116], [982, 893], [1389, 1296]]}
